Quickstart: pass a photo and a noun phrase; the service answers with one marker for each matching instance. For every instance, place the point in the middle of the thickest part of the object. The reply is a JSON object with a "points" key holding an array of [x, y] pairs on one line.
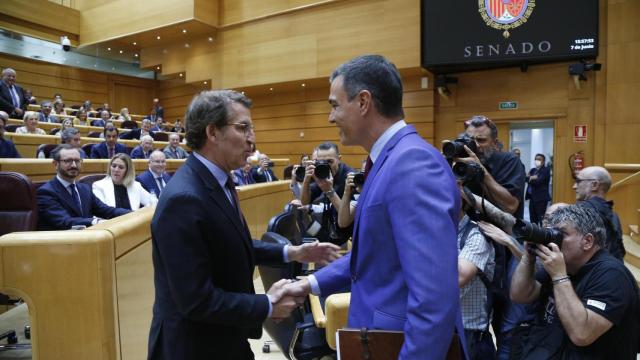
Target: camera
{"points": [[300, 172], [323, 169], [533, 233], [455, 148], [65, 43], [270, 164], [470, 173], [358, 179]]}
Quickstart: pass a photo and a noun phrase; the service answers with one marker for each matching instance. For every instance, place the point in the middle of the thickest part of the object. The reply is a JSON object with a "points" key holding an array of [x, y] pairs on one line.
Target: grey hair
{"points": [[377, 75], [8, 70], [584, 219], [67, 134], [145, 137], [210, 108], [601, 175]]}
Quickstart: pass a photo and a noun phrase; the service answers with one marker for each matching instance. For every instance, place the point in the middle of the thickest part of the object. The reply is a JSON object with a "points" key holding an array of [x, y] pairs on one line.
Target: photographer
{"points": [[262, 172], [589, 300], [324, 182], [347, 208], [297, 175]]}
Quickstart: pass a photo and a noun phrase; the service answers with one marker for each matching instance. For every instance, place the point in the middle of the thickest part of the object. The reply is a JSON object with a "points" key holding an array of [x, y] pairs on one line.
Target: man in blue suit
{"points": [[12, 99], [155, 178], [109, 147], [63, 203], [403, 265]]}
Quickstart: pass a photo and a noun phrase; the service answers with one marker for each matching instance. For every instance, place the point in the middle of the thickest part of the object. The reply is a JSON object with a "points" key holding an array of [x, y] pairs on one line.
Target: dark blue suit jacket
{"points": [[203, 258], [403, 267], [6, 104], [8, 149], [100, 151], [150, 184], [243, 179], [57, 210], [539, 189], [260, 178]]}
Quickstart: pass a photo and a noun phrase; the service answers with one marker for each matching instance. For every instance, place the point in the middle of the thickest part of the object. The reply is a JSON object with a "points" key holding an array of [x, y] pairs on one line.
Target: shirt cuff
{"points": [[285, 255], [315, 288], [270, 306]]}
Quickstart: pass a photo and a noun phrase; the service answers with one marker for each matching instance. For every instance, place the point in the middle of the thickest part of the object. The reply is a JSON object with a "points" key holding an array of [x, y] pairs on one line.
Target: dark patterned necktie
{"points": [[234, 196], [76, 197], [367, 167]]}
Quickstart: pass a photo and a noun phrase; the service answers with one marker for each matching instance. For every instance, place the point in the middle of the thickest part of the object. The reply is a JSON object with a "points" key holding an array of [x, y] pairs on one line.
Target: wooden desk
{"points": [[90, 292], [47, 127]]}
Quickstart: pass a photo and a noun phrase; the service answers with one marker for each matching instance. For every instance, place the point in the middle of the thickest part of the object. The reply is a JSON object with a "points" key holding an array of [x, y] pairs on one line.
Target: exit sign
{"points": [[508, 105]]}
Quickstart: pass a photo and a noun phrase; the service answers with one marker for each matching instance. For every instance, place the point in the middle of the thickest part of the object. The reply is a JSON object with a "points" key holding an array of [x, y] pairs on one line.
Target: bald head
{"points": [[592, 181]]}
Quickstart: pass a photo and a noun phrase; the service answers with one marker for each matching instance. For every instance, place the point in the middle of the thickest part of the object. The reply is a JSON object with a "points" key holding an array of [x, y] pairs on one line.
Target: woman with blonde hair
{"points": [[66, 123], [119, 188], [30, 124]]}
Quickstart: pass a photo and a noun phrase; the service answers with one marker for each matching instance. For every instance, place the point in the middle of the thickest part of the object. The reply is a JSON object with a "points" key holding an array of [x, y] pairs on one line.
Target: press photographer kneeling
{"points": [[589, 304], [324, 183]]}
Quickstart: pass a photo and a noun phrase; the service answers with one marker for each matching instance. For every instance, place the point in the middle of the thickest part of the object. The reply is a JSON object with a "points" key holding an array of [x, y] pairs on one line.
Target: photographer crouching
{"points": [[589, 304], [324, 183]]}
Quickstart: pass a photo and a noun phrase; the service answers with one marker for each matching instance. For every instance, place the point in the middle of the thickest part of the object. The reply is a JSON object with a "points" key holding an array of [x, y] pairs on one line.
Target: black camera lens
{"points": [[323, 169], [358, 179], [455, 148], [300, 172], [270, 164], [470, 173], [534, 233]]}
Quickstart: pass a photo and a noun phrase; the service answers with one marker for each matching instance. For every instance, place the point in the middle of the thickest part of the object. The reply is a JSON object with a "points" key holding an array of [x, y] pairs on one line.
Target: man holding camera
{"points": [[262, 172], [589, 300], [324, 182]]}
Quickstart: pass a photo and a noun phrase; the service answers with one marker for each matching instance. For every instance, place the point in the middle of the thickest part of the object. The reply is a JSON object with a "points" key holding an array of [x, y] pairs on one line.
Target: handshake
{"points": [[287, 295]]}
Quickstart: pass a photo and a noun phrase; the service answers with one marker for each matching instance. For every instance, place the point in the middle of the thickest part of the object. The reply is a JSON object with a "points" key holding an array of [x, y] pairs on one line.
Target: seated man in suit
{"points": [[7, 148], [69, 136], [262, 172], [109, 147], [63, 203], [155, 179], [45, 113], [243, 175], [173, 150], [138, 133], [143, 151], [104, 117]]}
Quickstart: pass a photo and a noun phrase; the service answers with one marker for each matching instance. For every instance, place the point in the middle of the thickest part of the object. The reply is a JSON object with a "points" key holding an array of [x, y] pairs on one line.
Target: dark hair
{"points": [[55, 153], [209, 108], [328, 145], [109, 128], [377, 75], [584, 219], [480, 120], [544, 158]]}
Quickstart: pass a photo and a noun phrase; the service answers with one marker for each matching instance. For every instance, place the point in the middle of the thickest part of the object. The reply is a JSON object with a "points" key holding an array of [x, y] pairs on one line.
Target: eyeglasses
{"points": [[244, 128], [578, 181], [71, 161]]}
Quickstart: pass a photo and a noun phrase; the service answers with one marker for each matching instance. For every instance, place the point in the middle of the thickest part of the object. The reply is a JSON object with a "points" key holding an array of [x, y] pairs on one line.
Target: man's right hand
{"points": [[18, 111], [348, 184], [283, 303]]}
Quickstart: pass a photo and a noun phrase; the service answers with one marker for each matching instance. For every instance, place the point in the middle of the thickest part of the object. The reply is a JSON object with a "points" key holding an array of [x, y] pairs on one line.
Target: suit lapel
{"points": [[362, 200], [220, 199], [66, 197]]}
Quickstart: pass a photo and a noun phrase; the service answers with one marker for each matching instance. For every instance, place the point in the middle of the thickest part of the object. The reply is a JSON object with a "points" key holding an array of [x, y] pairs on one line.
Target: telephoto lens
{"points": [[323, 169], [455, 148], [300, 172], [358, 179], [468, 173], [270, 164], [534, 233]]}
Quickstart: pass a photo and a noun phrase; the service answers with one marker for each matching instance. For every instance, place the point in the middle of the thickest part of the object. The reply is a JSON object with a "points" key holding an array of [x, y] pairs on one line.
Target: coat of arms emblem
{"points": [[505, 14]]}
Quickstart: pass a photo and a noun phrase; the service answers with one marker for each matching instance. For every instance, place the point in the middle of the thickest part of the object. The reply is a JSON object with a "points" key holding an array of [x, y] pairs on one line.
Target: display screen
{"points": [[462, 35]]}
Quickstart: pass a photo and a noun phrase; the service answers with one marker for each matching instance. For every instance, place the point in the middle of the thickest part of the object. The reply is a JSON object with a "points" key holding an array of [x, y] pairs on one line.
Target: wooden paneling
{"points": [[40, 12], [138, 99]]}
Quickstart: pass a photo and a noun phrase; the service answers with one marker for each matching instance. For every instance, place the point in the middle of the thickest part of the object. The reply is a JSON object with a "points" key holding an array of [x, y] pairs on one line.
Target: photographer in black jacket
{"points": [[327, 188]]}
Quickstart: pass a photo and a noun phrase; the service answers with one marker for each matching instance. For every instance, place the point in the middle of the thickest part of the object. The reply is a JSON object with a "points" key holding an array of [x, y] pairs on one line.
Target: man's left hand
{"points": [[552, 260], [472, 158], [317, 252], [325, 184]]}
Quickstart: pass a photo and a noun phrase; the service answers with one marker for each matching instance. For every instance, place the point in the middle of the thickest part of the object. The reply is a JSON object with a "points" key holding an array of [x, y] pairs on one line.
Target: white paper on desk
{"points": [[338, 343]]}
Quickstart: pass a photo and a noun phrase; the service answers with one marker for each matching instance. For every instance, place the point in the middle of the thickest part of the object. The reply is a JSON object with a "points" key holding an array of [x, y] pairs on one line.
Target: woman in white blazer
{"points": [[119, 188]]}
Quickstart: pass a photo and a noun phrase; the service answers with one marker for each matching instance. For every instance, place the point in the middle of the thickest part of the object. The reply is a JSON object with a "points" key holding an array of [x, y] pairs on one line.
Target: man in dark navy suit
{"points": [[203, 255], [263, 172], [155, 178], [11, 95], [63, 203], [109, 147], [7, 148], [138, 133]]}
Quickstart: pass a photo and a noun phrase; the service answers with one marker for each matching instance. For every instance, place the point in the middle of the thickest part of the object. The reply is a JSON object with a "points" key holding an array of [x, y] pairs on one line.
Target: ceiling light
{"points": [[184, 31], [205, 83], [186, 45], [135, 43], [157, 67], [180, 74], [210, 39], [158, 37], [303, 84], [108, 49], [270, 89], [120, 51], [136, 55]]}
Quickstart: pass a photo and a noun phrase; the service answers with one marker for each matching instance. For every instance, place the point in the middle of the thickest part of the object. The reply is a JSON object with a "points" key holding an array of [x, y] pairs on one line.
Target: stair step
{"points": [[633, 251], [634, 270]]}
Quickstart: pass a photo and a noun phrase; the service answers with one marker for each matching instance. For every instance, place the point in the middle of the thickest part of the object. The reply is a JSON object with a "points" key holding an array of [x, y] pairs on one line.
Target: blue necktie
{"points": [[76, 197], [14, 97]]}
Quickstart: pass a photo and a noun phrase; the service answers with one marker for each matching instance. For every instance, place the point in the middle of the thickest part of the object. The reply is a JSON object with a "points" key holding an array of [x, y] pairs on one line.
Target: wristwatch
{"points": [[329, 194]]}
